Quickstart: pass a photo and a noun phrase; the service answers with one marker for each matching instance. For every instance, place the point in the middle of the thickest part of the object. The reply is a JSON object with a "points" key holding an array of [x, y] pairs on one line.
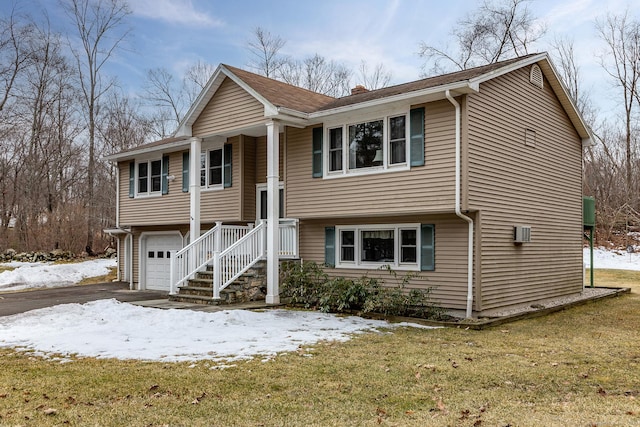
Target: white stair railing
{"points": [[199, 253], [232, 262]]}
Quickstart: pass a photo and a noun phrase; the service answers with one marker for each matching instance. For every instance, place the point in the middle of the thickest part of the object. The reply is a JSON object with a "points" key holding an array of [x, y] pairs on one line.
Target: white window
{"points": [[368, 146], [372, 246], [149, 177], [212, 168]]}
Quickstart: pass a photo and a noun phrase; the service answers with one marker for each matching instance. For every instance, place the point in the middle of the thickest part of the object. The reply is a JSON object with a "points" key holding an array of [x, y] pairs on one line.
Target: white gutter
{"points": [[459, 213]]}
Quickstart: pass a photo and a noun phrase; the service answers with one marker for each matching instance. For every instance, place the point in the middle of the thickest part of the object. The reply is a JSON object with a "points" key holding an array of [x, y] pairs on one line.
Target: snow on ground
{"points": [[47, 275], [111, 329], [612, 259]]}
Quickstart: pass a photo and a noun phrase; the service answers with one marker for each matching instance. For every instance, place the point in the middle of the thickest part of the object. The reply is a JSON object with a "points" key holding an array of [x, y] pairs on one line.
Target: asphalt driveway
{"points": [[19, 302]]}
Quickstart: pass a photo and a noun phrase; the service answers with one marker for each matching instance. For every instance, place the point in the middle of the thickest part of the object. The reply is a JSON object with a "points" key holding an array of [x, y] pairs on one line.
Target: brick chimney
{"points": [[358, 90]]}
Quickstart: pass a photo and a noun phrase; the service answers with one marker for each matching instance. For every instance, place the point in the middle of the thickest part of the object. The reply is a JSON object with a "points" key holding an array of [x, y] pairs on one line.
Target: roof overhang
{"points": [[150, 148], [116, 231], [408, 98]]}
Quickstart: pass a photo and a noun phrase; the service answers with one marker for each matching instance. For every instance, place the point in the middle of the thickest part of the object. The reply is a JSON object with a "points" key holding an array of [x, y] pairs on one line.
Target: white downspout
{"points": [[118, 278], [459, 213], [131, 286]]}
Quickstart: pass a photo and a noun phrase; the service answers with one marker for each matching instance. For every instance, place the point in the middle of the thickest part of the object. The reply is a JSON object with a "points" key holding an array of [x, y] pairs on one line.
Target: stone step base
{"points": [[251, 286]]}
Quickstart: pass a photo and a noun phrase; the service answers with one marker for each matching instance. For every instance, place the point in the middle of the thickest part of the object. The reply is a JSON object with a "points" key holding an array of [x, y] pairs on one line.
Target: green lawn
{"points": [[578, 367]]}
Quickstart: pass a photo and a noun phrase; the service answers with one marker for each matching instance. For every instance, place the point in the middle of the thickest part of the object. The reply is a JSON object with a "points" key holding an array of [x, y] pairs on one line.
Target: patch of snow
{"points": [[48, 275], [111, 329], [612, 259]]}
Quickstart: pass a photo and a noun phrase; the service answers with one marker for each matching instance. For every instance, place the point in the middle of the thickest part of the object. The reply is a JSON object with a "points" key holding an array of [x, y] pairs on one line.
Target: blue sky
{"points": [[176, 33]]}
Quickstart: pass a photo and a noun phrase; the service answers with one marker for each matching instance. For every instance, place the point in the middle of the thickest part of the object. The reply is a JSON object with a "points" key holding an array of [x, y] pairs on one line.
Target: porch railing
{"points": [[288, 247], [231, 250], [231, 263], [251, 248], [196, 255]]}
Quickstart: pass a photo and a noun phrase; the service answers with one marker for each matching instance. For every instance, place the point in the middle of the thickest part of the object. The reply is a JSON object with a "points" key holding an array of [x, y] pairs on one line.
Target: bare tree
{"points": [[377, 78], [163, 91], [265, 52], [100, 31], [621, 35], [317, 74], [494, 32], [14, 56], [196, 78]]}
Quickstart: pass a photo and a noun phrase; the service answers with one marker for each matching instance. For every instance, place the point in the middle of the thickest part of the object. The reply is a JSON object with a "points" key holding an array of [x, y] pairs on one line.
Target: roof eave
{"points": [[414, 97], [165, 148]]}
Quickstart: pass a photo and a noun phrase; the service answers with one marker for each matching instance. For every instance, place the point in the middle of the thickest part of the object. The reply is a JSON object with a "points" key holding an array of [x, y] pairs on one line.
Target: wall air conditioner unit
{"points": [[521, 234]]}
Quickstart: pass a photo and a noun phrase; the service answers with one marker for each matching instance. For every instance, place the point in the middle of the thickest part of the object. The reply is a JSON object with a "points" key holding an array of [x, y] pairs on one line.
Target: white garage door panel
{"points": [[158, 260]]}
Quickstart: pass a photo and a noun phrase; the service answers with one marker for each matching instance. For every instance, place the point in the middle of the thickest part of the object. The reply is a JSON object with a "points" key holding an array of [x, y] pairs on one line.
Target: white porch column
{"points": [[194, 188], [273, 202]]}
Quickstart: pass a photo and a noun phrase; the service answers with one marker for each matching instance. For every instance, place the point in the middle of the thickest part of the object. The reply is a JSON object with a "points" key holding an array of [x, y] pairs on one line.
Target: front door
{"points": [[261, 202]]}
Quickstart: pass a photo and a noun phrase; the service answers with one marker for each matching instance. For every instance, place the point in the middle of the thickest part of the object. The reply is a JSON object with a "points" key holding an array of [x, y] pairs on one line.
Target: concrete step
{"points": [[226, 296]]}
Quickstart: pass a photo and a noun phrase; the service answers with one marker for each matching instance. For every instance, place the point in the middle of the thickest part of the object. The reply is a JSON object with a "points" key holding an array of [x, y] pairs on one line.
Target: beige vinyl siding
{"points": [[224, 204], [449, 279], [261, 159], [422, 189], [172, 208], [514, 184], [249, 179], [230, 108]]}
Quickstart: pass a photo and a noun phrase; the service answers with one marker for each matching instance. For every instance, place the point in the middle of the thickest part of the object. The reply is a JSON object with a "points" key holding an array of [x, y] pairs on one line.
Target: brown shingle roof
{"points": [[282, 94], [430, 82]]}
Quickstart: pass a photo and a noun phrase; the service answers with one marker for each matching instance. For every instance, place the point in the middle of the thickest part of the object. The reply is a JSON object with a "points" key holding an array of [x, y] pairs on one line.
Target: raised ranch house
{"points": [[473, 179]]}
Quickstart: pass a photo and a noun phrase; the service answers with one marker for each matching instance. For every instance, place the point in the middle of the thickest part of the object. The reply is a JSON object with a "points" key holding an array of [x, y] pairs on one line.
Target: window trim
{"points": [[148, 193], [386, 165], [207, 168], [359, 264]]}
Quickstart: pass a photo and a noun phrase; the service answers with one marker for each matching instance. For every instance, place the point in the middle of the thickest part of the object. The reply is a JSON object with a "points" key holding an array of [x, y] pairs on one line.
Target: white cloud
{"points": [[179, 12]]}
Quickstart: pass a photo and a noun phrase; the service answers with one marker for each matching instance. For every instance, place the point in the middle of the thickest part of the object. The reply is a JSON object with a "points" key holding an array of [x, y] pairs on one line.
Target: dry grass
{"points": [[579, 367], [110, 277]]}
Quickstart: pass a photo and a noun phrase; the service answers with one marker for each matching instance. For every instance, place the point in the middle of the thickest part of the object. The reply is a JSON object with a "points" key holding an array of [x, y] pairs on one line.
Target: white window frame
{"points": [[147, 193], [263, 187], [207, 155], [386, 165], [358, 263]]}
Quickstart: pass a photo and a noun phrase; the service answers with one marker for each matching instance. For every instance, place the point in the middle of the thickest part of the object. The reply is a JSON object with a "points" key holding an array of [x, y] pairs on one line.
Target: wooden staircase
{"points": [[250, 286]]}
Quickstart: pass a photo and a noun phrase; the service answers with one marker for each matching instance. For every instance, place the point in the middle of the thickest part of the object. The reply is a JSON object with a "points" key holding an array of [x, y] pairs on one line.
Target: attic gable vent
{"points": [[535, 76]]}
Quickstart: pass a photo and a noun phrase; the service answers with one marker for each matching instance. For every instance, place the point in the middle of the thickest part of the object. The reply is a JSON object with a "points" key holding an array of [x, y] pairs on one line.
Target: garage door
{"points": [[158, 260]]}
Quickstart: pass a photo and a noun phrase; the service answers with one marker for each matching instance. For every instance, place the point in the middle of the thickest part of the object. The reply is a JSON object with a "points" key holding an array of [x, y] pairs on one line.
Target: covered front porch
{"points": [[222, 257], [228, 250]]}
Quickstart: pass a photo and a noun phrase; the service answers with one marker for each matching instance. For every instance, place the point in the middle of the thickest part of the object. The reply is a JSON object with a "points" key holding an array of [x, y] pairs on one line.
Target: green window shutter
{"points": [[165, 174], [317, 153], [228, 160], [132, 179], [185, 172], [330, 246], [427, 247], [416, 131]]}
